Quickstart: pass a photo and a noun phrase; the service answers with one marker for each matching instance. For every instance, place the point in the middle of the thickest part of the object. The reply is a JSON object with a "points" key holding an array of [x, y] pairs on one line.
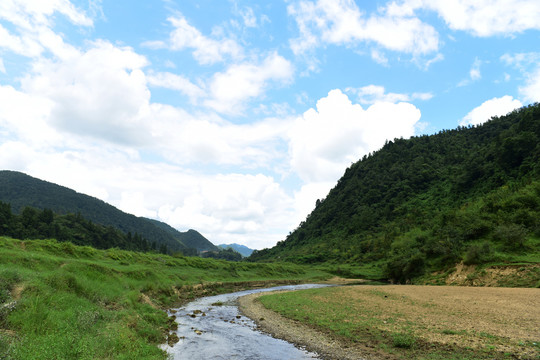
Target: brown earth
{"points": [[471, 275], [501, 320]]}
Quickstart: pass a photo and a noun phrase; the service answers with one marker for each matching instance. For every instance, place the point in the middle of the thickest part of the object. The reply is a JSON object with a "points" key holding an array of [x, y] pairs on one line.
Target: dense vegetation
{"points": [[224, 254], [428, 202], [21, 190], [62, 301], [44, 224]]}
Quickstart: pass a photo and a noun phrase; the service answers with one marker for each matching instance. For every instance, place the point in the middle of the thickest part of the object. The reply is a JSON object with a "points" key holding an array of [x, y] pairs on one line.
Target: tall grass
{"points": [[61, 301]]}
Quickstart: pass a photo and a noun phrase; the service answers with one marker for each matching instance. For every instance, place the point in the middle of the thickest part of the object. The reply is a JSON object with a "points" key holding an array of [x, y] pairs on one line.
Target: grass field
{"points": [[422, 322], [60, 301]]}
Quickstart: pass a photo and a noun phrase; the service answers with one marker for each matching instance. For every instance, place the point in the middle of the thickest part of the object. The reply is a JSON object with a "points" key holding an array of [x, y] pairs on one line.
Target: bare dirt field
{"points": [[484, 321]]}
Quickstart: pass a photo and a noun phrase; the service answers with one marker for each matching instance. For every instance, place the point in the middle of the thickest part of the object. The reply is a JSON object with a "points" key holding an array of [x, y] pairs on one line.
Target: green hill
{"points": [[21, 190], [429, 202]]}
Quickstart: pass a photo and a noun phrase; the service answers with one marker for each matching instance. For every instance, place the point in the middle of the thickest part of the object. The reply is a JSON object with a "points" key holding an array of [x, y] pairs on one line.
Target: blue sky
{"points": [[234, 117]]}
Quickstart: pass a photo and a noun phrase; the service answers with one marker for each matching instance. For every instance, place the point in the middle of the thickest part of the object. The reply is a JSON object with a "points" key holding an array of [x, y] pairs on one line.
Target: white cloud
{"points": [[183, 138], [488, 109], [342, 23], [371, 94], [233, 208], [99, 93], [250, 20], [206, 50], [531, 89], [25, 117], [474, 73], [29, 13], [306, 197], [326, 140], [488, 17], [481, 17], [529, 65], [521, 60], [33, 22], [241, 82], [176, 82]]}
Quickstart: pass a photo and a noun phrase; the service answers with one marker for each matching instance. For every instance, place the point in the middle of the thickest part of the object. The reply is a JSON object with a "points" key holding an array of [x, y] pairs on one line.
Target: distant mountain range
{"points": [[21, 190], [242, 249]]}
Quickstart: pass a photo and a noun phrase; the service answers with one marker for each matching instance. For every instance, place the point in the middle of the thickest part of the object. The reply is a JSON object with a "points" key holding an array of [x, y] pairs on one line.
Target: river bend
{"points": [[213, 328]]}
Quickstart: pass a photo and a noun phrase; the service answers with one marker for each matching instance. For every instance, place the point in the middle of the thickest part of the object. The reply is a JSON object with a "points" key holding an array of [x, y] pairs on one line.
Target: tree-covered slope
{"points": [[191, 238], [21, 190], [429, 201]]}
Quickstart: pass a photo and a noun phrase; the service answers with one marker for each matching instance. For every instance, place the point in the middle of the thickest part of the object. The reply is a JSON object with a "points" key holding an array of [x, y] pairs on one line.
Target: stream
{"points": [[213, 328]]}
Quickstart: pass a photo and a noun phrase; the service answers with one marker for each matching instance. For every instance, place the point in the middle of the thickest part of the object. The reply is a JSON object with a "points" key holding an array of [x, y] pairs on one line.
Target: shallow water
{"points": [[220, 332]]}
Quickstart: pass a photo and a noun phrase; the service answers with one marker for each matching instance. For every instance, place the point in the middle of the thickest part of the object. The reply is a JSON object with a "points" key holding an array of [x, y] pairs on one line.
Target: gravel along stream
{"points": [[213, 328]]}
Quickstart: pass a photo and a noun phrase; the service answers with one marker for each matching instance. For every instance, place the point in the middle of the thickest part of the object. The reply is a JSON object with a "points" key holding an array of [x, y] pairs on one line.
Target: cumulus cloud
{"points": [[325, 140], [232, 207], [206, 50], [25, 117], [183, 138], [229, 90], [488, 109], [343, 23], [100, 93]]}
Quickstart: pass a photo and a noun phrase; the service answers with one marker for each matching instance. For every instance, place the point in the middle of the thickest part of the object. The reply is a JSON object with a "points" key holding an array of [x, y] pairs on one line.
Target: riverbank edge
{"points": [[303, 336]]}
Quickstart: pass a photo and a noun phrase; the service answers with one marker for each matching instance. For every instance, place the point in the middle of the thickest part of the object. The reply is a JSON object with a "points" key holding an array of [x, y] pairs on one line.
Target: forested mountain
{"points": [[34, 224], [191, 238], [430, 201], [21, 190]]}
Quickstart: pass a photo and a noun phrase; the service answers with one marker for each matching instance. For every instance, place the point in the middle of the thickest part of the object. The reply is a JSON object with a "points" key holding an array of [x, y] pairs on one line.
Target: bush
{"points": [[403, 340], [512, 235], [477, 254], [402, 269]]}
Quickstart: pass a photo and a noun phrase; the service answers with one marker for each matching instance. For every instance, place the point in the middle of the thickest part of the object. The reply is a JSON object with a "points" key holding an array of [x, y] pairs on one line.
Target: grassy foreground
{"points": [[61, 301], [421, 322]]}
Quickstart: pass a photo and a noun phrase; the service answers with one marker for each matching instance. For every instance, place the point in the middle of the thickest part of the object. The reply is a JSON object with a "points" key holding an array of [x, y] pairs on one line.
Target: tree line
{"points": [[34, 223]]}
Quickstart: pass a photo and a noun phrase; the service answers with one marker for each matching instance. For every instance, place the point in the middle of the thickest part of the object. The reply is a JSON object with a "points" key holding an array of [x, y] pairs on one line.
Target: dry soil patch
{"points": [[504, 319]]}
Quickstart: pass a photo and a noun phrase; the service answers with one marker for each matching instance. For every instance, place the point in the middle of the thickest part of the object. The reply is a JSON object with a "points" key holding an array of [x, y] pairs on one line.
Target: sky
{"points": [[233, 117]]}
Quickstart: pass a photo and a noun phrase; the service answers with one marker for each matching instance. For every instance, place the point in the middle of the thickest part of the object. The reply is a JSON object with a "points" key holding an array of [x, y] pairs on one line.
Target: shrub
{"points": [[403, 340], [512, 235], [477, 254], [403, 268]]}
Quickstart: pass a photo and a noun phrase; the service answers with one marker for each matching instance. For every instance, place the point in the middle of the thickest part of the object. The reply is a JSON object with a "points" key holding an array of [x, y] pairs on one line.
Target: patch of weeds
{"points": [[487, 335], [403, 340], [217, 303], [453, 332]]}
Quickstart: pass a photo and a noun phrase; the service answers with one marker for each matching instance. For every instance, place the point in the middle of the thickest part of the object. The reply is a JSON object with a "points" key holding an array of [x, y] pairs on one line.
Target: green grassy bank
{"points": [[61, 301]]}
